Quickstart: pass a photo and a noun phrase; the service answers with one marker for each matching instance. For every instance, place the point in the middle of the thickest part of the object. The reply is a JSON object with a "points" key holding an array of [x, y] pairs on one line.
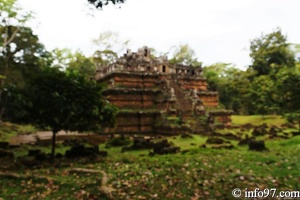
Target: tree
{"points": [[108, 46], [60, 58], [271, 51], [101, 3], [81, 64], [288, 86], [20, 50], [12, 20], [65, 101], [185, 55], [215, 74], [20, 61], [235, 89], [76, 62], [232, 85], [263, 95]]}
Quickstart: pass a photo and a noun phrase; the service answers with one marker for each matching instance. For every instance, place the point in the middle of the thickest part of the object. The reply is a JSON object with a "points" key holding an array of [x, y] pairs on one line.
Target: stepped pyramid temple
{"points": [[156, 97]]}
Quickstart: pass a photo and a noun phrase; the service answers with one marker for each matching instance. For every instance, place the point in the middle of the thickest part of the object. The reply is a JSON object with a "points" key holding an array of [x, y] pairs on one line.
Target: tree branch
{"points": [[6, 42]]}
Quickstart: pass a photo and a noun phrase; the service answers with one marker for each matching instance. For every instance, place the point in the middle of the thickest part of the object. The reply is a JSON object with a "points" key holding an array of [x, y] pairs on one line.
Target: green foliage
{"points": [[269, 86], [102, 58], [80, 64], [59, 58], [258, 120], [14, 34], [9, 130], [293, 117], [214, 75], [271, 51], [65, 101], [155, 53], [262, 95], [288, 86], [231, 83], [108, 46], [184, 55], [101, 3], [12, 102], [11, 14], [20, 49], [21, 59], [75, 62]]}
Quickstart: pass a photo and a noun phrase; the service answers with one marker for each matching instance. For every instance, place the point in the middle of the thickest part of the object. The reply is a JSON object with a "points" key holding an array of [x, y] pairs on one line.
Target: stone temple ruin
{"points": [[155, 96]]}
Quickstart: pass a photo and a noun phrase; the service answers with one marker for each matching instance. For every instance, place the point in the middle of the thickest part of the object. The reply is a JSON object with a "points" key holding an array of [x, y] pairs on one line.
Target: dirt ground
{"points": [[32, 138]]}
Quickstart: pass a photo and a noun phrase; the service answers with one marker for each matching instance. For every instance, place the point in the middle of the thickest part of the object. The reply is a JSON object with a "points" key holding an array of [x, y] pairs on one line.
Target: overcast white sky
{"points": [[218, 30]]}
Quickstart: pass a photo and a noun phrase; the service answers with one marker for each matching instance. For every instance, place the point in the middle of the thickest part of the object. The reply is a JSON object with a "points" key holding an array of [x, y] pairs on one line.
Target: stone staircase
{"points": [[183, 102], [184, 106]]}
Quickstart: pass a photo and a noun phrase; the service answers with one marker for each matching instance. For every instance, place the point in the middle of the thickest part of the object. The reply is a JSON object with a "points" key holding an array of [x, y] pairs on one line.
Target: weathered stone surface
{"points": [[34, 152], [139, 143], [164, 147], [257, 146], [296, 133], [137, 82], [259, 131], [273, 131], [4, 145], [247, 126], [41, 156], [59, 155], [186, 136], [245, 141], [223, 146], [169, 130], [231, 136], [134, 122], [215, 140], [82, 151], [118, 142], [4, 153]]}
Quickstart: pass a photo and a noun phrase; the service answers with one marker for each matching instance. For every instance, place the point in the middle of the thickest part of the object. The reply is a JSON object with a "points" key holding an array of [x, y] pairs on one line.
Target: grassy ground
{"points": [[8, 130], [258, 119], [195, 173]]}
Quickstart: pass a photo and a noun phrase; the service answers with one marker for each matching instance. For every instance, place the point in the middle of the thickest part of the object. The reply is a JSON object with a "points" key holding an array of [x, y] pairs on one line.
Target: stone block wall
{"points": [[134, 98], [193, 83], [135, 123], [143, 87]]}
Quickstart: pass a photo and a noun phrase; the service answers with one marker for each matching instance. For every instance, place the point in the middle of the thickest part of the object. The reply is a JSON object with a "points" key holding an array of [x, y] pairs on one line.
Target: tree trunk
{"points": [[5, 45], [2, 82], [53, 144]]}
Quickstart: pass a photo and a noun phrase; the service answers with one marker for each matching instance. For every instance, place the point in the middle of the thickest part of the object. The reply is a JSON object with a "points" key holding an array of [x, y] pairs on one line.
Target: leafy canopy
{"points": [[231, 83], [66, 101], [185, 55], [101, 3], [108, 46], [271, 51], [19, 49]]}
